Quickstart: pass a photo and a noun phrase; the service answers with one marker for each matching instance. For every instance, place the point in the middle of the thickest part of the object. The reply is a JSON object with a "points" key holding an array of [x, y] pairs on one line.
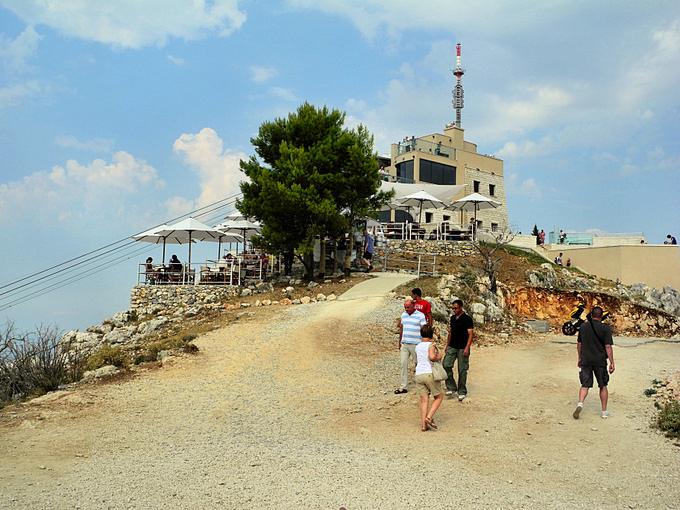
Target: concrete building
{"points": [[447, 158]]}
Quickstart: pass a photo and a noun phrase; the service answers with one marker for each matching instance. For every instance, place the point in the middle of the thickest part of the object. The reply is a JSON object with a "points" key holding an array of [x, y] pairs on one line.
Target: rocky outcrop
{"points": [[626, 317]]}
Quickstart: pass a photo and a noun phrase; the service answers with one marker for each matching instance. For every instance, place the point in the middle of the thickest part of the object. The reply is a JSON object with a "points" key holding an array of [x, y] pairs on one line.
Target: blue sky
{"points": [[115, 116]]}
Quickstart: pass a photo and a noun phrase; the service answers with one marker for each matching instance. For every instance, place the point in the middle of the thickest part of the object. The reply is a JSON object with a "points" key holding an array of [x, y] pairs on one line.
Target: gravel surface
{"points": [[293, 408]]}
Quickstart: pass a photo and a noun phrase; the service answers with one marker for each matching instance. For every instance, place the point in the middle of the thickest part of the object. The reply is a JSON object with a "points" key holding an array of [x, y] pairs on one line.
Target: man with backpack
{"points": [[594, 347]]}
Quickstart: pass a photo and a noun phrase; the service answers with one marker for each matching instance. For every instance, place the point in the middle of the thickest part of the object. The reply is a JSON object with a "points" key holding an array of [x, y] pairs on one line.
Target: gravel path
{"points": [[293, 408]]}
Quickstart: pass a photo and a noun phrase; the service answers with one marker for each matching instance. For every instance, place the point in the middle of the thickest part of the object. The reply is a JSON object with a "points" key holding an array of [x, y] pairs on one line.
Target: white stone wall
{"points": [[488, 216]]}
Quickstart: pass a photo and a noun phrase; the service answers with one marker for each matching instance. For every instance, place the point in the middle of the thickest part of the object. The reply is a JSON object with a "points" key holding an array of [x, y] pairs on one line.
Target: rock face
{"points": [[626, 317], [105, 371]]}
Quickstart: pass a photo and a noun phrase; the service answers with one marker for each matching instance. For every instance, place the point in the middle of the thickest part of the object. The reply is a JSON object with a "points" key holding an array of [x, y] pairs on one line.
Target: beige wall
{"points": [[656, 265], [470, 166]]}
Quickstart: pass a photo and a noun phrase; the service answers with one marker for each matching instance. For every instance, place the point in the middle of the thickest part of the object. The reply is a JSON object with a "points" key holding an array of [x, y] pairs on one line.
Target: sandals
{"points": [[431, 423], [399, 391]]}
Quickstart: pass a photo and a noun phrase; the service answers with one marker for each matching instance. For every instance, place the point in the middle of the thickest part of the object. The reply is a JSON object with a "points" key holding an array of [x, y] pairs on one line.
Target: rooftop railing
{"points": [[435, 148]]}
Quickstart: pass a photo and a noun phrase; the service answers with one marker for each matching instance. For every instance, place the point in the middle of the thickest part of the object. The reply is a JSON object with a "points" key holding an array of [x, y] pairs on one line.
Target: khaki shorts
{"points": [[426, 385]]}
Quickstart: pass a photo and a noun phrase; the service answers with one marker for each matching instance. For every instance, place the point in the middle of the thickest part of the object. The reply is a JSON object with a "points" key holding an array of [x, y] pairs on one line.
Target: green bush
{"points": [[668, 420], [108, 355]]}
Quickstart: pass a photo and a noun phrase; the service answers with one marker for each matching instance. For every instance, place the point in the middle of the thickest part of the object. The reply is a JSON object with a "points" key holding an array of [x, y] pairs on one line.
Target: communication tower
{"points": [[458, 101]]}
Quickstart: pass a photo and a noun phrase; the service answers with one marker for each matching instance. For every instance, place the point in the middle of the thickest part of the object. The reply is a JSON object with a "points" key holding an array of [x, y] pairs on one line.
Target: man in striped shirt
{"points": [[409, 336]]}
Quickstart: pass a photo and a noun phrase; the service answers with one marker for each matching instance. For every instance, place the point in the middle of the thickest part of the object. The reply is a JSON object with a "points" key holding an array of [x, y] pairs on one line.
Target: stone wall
{"points": [[498, 215], [457, 248], [150, 299]]}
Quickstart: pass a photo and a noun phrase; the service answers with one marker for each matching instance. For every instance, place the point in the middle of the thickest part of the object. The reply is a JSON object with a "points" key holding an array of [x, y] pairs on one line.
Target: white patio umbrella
{"points": [[152, 236], [474, 202], [422, 199], [190, 230], [225, 238], [243, 226]]}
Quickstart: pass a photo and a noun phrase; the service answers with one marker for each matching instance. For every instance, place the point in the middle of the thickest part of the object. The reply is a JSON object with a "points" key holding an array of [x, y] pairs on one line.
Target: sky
{"points": [[117, 116]]}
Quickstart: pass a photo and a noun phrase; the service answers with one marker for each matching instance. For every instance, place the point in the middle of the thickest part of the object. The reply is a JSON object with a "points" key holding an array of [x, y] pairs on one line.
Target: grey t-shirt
{"points": [[593, 353]]}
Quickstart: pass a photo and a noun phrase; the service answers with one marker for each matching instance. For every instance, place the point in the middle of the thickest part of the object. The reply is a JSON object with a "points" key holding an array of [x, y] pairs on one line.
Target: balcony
{"points": [[437, 149]]}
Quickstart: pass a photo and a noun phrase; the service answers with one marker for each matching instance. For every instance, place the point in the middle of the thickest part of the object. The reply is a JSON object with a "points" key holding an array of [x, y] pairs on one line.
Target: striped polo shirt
{"points": [[411, 327]]}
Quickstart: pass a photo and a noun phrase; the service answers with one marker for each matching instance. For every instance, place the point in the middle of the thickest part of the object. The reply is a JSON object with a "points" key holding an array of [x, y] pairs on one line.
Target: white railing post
{"points": [[418, 273]]}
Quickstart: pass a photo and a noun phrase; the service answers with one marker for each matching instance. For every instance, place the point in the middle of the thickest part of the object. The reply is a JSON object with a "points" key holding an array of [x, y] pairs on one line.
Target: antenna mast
{"points": [[458, 102]]}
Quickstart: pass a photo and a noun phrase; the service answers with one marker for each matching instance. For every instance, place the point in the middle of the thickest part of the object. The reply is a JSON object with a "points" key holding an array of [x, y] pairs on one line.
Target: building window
{"points": [[385, 216], [447, 217], [475, 185], [405, 171], [492, 190], [428, 217], [436, 173], [494, 227]]}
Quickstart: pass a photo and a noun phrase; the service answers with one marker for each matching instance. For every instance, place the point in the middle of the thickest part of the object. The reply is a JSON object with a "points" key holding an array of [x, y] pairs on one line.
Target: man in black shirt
{"points": [[594, 347], [461, 331]]}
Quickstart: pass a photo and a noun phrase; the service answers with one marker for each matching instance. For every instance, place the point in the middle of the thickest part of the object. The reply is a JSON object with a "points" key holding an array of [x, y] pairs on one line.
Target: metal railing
{"points": [[435, 148], [236, 271], [442, 231], [410, 262]]}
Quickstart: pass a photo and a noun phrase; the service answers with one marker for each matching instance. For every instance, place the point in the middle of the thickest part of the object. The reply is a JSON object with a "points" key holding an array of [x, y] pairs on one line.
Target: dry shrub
{"points": [[108, 355], [34, 363]]}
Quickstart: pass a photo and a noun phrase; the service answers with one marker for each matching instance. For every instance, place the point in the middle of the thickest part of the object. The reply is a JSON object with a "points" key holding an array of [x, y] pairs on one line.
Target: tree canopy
{"points": [[314, 177]]}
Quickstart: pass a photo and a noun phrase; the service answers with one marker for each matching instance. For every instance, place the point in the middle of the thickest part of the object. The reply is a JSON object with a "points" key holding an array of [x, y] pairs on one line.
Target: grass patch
{"points": [[108, 355], [179, 341], [428, 284], [668, 420], [528, 255]]}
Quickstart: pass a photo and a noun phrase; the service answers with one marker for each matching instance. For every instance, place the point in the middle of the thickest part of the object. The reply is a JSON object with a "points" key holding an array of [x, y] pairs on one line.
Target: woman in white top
{"points": [[426, 352]]}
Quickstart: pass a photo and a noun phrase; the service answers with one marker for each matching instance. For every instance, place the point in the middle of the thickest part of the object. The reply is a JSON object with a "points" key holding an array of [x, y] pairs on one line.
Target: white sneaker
{"points": [[449, 393], [577, 411], [604, 415], [461, 398]]}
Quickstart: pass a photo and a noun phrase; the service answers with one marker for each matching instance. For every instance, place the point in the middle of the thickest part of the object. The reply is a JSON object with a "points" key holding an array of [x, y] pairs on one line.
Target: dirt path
{"points": [[293, 408]]}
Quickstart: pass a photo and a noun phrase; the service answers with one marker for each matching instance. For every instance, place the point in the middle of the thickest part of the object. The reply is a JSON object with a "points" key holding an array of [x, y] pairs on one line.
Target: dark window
{"points": [[475, 184], [492, 189], [402, 217], [405, 171], [437, 173], [494, 227], [385, 216], [428, 217], [447, 217]]}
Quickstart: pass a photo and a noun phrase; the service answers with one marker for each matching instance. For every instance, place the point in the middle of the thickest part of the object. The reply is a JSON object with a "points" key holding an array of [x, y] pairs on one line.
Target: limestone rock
{"points": [[331, 297], [305, 300], [149, 326], [105, 371], [321, 297], [120, 335]]}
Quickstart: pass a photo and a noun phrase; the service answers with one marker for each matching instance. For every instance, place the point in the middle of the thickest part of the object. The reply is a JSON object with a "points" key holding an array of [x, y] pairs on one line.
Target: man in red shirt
{"points": [[422, 305]]}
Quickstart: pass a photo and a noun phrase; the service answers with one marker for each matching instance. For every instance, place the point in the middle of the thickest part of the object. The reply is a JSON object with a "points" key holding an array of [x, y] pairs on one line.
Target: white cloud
{"points": [[123, 173], [179, 206], [218, 169], [526, 187], [656, 69], [283, 93], [261, 74], [12, 95], [131, 23], [378, 18], [178, 61], [94, 145], [15, 54], [525, 149], [69, 190]]}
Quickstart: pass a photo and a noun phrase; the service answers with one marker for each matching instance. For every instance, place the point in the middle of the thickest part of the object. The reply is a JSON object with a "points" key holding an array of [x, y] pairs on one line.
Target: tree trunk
{"points": [[348, 255], [308, 261], [322, 257], [335, 256]]}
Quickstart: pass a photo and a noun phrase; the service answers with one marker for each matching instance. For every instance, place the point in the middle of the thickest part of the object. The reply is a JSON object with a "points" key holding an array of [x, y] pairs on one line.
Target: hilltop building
{"points": [[447, 158]]}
